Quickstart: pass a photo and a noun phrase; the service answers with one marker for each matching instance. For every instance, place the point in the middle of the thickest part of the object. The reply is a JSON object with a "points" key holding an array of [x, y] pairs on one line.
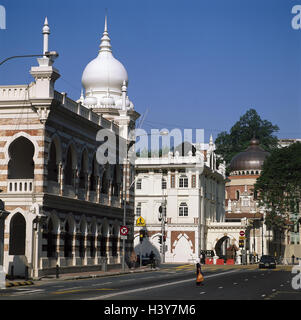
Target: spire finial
{"points": [[105, 44], [106, 23], [211, 140]]}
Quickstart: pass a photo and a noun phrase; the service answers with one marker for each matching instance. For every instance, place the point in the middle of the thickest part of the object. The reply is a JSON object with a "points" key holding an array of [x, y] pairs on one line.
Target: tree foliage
{"points": [[279, 185], [248, 126]]}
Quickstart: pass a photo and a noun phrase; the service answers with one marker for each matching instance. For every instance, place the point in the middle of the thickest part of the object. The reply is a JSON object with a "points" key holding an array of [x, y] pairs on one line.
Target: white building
{"points": [[193, 191], [65, 208]]}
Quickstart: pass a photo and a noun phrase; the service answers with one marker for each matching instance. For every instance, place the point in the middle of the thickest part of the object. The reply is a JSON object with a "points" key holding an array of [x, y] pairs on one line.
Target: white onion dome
{"points": [[104, 71]]}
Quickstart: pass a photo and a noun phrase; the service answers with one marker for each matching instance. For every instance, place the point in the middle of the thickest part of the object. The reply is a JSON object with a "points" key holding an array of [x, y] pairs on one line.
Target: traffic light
{"points": [[241, 243], [141, 235], [160, 239]]}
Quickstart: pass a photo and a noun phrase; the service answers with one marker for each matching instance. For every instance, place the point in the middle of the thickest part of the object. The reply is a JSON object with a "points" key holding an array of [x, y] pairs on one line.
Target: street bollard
{"points": [[57, 271]]}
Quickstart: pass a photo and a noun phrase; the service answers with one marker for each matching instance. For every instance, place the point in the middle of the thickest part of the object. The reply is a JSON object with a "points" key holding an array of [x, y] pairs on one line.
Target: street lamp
{"points": [[130, 144], [49, 54]]}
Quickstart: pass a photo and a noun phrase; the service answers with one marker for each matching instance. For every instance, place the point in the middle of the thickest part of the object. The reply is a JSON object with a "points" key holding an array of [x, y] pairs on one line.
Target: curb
{"points": [[79, 277], [18, 283]]}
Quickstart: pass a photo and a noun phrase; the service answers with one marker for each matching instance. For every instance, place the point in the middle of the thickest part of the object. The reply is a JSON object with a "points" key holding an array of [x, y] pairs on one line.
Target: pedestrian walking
{"points": [[293, 259], [133, 259], [152, 259], [199, 273]]}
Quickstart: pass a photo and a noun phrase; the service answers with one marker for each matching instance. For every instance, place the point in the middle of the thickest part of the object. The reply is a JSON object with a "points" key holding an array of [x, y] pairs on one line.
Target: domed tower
{"points": [[105, 83], [245, 168]]}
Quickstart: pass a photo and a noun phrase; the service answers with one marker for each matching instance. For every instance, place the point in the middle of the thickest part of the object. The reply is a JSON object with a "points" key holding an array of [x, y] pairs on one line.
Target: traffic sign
{"points": [[140, 222], [242, 238], [123, 237], [242, 233], [124, 231], [241, 243]]}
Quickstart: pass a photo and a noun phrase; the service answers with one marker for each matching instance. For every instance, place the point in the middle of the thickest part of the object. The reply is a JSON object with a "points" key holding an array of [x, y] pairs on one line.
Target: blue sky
{"points": [[191, 64]]}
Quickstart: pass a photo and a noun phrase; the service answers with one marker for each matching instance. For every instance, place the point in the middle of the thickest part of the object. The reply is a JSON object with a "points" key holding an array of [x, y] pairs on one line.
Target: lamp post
{"points": [[162, 133], [48, 54], [262, 220], [129, 145]]}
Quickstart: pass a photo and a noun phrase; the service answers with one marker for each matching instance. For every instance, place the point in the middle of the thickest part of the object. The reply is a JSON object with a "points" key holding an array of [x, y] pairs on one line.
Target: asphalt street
{"points": [[172, 283]]}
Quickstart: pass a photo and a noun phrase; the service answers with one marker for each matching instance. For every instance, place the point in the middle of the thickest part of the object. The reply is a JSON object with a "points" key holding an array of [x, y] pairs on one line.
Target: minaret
{"points": [[124, 95], [45, 74], [46, 33]]}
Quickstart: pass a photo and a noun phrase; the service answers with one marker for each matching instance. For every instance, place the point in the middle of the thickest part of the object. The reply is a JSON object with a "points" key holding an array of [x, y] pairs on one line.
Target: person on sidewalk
{"points": [[133, 259], [152, 259], [199, 273]]}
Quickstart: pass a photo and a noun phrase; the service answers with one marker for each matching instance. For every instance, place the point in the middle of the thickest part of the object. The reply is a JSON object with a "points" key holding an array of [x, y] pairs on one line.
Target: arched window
{"points": [[68, 241], [52, 167], [237, 195], [183, 210], [105, 183], [81, 239], [183, 182], [115, 187], [83, 170], [255, 196], [21, 165], [93, 178], [17, 235], [51, 240], [69, 168], [114, 241]]}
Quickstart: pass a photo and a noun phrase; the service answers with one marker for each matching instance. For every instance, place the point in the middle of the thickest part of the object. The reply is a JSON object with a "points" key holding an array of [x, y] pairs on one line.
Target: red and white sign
{"points": [[124, 230], [242, 233]]}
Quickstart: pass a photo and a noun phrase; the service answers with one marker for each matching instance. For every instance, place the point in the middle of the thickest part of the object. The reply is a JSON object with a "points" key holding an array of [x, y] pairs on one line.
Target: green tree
{"points": [[279, 185], [248, 126]]}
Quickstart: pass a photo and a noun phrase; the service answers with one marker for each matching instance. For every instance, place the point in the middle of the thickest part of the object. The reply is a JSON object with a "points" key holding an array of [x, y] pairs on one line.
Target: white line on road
{"points": [[157, 286], [102, 284], [20, 293]]}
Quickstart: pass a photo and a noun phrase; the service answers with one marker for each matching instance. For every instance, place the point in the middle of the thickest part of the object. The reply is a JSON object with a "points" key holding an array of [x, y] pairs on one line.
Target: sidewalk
{"points": [[76, 276]]}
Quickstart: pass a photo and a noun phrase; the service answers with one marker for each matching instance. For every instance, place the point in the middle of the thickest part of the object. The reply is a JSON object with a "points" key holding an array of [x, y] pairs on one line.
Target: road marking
{"points": [[102, 284], [220, 287], [156, 286], [70, 288], [202, 292], [23, 292], [235, 283], [81, 290]]}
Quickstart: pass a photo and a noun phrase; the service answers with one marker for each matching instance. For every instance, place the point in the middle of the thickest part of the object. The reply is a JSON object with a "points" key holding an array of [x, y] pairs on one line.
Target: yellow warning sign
{"points": [[140, 222]]}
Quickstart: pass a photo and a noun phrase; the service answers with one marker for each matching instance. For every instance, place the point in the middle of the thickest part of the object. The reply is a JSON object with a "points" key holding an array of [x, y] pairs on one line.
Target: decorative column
{"points": [[98, 189], [88, 184], [75, 182], [61, 178]]}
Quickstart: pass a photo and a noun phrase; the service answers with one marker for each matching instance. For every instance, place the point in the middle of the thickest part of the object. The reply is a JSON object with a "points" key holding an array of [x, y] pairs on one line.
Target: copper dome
{"points": [[250, 159]]}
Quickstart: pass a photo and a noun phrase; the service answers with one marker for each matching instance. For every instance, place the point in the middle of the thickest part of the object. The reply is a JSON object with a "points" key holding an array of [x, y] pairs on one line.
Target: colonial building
{"points": [[241, 200], [65, 207], [178, 195]]}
